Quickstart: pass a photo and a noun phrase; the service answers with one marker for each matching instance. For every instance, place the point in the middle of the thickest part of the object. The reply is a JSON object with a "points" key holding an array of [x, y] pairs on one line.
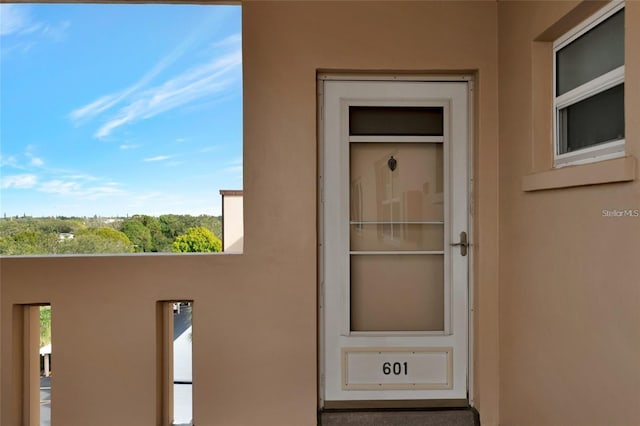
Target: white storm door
{"points": [[394, 262]]}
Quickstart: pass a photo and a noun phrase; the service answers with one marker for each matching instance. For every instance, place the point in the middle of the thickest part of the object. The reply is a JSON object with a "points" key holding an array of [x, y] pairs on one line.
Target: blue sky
{"points": [[115, 110]]}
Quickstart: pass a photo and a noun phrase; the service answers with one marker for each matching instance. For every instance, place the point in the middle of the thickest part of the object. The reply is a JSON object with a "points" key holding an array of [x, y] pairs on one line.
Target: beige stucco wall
{"points": [[299, 38], [255, 314], [569, 278]]}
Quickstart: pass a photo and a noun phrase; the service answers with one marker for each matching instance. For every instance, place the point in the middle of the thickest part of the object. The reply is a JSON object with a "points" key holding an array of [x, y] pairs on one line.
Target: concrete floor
{"points": [[453, 417]]}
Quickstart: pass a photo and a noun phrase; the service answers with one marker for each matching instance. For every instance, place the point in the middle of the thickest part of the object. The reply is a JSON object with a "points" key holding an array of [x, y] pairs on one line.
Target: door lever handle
{"points": [[463, 243]]}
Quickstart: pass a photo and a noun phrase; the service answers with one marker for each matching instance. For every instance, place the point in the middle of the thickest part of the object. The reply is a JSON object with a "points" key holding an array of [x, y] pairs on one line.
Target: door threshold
{"points": [[396, 404], [465, 416]]}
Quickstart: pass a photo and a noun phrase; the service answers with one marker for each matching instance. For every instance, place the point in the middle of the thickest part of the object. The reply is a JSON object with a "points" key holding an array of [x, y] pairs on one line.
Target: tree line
{"points": [[136, 234]]}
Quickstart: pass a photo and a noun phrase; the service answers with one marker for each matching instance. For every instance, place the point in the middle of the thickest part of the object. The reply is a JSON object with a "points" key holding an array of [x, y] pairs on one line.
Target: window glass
{"points": [[395, 121], [595, 120], [591, 55]]}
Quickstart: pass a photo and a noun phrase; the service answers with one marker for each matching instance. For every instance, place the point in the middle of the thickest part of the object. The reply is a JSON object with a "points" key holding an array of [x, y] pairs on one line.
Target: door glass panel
{"points": [[394, 121], [412, 192], [403, 236], [397, 292], [396, 206]]}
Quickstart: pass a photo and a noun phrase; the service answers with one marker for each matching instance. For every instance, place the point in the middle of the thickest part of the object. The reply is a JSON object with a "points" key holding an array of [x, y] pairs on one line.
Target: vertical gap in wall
{"points": [[45, 365], [182, 362], [175, 337], [32, 334]]}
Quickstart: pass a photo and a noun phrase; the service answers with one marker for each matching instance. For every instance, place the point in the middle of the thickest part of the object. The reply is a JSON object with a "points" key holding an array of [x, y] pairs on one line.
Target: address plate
{"points": [[399, 368]]}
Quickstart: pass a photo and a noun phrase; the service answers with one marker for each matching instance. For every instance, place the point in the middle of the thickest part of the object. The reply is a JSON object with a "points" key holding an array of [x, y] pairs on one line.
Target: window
{"points": [[589, 89]]}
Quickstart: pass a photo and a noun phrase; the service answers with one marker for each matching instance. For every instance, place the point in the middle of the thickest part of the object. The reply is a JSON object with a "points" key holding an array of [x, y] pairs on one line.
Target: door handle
{"points": [[463, 243]]}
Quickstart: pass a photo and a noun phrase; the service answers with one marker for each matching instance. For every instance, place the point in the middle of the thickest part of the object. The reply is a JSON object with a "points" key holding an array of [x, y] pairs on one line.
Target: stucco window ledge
{"points": [[617, 170]]}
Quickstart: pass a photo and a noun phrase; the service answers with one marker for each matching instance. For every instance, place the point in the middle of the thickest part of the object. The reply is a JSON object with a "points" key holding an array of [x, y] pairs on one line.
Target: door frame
{"points": [[469, 79]]}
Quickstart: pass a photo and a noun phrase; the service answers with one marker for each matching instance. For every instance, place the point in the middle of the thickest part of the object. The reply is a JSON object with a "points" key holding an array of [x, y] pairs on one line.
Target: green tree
{"points": [[197, 240], [29, 242], [212, 223], [90, 243], [107, 232], [101, 239], [28, 235], [56, 225], [138, 234], [159, 242], [45, 325], [172, 225]]}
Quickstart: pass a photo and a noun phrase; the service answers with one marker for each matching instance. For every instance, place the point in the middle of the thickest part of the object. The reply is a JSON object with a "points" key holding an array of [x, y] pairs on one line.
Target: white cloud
{"points": [[8, 161], [25, 161], [129, 146], [13, 19], [235, 162], [104, 103], [74, 188], [25, 181], [60, 187], [157, 158], [19, 33], [96, 107], [148, 196], [195, 83], [167, 202], [78, 176], [56, 32], [209, 148], [16, 20], [96, 192], [106, 129], [38, 162], [233, 167], [135, 103], [233, 39]]}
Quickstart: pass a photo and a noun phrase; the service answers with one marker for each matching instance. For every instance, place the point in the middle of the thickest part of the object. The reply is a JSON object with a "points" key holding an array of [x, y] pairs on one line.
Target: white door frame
{"points": [[330, 217]]}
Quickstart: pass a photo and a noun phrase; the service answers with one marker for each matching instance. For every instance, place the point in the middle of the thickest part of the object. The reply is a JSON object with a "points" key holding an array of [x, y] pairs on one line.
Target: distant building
{"points": [[232, 221]]}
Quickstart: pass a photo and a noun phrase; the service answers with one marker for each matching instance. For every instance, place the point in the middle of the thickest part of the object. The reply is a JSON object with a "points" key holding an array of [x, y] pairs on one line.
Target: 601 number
{"points": [[395, 368]]}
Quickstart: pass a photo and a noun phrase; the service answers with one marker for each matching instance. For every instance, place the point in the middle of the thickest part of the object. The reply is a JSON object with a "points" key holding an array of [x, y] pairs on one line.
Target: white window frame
{"points": [[599, 152]]}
